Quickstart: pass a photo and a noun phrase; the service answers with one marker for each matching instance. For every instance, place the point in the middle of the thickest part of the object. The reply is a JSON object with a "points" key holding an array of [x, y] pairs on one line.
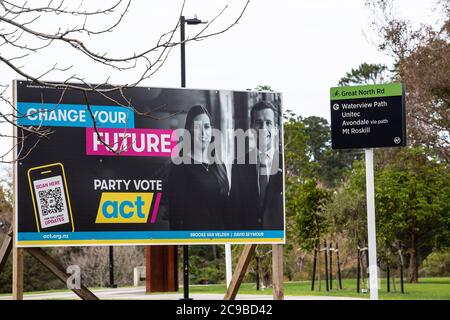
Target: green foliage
{"points": [[347, 210], [436, 264], [263, 88], [5, 210], [5, 222], [206, 264], [421, 54], [307, 206], [427, 289], [319, 135], [329, 165], [413, 202], [301, 167], [36, 276], [297, 152], [311, 168], [365, 74], [5, 273]]}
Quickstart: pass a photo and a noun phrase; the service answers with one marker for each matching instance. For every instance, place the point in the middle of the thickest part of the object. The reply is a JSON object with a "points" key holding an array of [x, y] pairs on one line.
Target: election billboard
{"points": [[146, 165]]}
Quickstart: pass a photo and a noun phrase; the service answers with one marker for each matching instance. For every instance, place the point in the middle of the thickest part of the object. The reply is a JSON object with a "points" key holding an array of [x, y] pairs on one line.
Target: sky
{"points": [[299, 48]]}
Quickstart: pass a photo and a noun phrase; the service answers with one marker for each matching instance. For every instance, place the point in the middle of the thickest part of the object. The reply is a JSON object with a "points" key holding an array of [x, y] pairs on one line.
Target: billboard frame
{"points": [[129, 242]]}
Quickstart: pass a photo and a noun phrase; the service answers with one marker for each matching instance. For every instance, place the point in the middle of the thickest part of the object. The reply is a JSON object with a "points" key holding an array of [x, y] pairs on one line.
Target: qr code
{"points": [[51, 201]]}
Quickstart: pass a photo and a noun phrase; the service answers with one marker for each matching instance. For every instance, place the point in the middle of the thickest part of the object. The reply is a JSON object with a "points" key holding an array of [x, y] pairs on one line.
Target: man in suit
{"points": [[256, 195]]}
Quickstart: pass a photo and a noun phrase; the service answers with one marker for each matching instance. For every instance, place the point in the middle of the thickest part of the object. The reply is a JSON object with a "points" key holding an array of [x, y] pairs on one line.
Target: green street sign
{"points": [[366, 91], [368, 116]]}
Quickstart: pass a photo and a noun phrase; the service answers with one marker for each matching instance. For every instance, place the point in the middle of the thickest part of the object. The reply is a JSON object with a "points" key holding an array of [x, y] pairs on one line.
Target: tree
{"points": [[5, 223], [423, 64], [207, 264], [347, 210], [263, 87], [365, 74], [413, 205], [437, 264], [311, 223], [297, 152], [5, 211], [73, 25], [329, 165], [319, 136]]}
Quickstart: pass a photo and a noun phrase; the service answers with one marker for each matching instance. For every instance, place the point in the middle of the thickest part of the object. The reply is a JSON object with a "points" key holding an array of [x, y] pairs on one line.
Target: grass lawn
{"points": [[427, 288]]}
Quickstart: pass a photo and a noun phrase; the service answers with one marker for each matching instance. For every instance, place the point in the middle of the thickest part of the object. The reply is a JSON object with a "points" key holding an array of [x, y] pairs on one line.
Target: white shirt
{"points": [[267, 159]]}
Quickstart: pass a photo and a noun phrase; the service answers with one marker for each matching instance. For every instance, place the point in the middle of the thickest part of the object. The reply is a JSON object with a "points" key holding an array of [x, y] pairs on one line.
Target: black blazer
{"points": [[245, 211], [195, 200]]}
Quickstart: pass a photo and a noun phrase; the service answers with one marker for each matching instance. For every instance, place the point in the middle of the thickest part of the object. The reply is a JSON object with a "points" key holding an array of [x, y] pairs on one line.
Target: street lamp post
{"points": [[111, 268], [183, 22]]}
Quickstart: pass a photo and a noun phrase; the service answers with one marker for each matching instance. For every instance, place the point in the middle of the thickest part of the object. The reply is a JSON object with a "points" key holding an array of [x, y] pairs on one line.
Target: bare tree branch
{"points": [[21, 39]]}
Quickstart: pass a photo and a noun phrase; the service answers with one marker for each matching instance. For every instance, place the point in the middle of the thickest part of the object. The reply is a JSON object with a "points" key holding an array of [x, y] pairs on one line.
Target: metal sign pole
{"points": [[183, 85], [228, 263], [370, 190], [355, 114]]}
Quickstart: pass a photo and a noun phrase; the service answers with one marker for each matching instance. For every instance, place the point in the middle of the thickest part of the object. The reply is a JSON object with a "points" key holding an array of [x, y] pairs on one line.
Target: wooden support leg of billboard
{"points": [[241, 268], [277, 272], [239, 272], [17, 268], [5, 249], [59, 271]]}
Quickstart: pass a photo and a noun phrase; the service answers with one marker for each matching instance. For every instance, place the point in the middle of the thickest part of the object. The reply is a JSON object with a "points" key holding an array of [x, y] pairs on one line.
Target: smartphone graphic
{"points": [[50, 198]]}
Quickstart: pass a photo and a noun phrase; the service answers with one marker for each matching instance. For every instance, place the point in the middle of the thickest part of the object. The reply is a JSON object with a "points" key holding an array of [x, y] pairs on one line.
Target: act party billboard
{"points": [[147, 166]]}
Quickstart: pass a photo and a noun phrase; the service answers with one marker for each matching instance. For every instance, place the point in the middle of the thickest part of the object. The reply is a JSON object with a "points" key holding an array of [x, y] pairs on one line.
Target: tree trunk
{"points": [[413, 270], [214, 251]]}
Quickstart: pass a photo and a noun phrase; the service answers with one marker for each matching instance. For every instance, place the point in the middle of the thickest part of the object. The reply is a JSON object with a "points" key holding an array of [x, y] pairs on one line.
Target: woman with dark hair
{"points": [[198, 187]]}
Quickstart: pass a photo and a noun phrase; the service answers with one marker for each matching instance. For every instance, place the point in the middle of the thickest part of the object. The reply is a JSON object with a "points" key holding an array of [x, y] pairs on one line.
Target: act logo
{"points": [[126, 207]]}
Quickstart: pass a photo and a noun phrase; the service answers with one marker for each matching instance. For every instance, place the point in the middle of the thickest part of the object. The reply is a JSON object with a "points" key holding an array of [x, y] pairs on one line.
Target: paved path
{"points": [[138, 293]]}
